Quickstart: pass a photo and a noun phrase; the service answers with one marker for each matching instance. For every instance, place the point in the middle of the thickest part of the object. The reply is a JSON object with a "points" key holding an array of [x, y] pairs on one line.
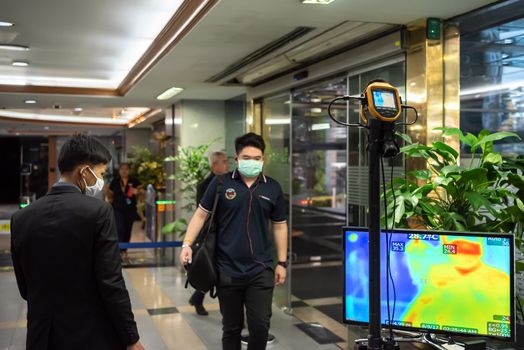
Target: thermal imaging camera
{"points": [[381, 101]]}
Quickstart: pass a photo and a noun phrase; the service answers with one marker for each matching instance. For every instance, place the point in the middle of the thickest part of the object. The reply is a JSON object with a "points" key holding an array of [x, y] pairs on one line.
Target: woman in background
{"points": [[122, 194]]}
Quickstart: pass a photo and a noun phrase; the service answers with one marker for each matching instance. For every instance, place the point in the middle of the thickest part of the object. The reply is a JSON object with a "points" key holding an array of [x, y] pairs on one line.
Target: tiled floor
{"points": [[164, 318]]}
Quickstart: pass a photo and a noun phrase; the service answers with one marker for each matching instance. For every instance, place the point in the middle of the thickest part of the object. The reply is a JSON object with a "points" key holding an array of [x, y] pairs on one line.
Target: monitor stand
{"points": [[425, 338]]}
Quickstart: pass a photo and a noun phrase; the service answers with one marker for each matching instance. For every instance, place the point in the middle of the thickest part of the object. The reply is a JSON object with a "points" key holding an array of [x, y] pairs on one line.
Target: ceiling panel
{"points": [[99, 40]]}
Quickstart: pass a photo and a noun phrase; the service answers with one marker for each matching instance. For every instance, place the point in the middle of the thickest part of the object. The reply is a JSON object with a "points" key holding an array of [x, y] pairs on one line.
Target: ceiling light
{"points": [[78, 109], [13, 47], [320, 126], [166, 95], [20, 63], [318, 2], [6, 24], [278, 121], [30, 101]]}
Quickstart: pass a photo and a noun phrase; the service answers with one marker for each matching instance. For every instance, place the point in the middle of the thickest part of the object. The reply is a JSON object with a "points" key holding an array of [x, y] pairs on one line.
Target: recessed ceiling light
{"points": [[20, 63], [13, 47], [78, 109], [30, 101], [166, 95], [6, 24], [318, 2]]}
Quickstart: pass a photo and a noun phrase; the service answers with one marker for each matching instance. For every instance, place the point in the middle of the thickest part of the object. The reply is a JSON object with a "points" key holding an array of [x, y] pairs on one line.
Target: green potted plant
{"points": [[147, 167], [192, 166], [485, 196]]}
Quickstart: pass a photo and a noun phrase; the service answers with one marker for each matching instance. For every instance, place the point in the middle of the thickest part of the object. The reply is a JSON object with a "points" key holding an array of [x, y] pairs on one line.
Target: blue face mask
{"points": [[250, 167]]}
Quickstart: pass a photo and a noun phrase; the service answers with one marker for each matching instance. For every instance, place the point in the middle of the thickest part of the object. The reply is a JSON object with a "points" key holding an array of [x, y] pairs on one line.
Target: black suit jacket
{"points": [[67, 265]]}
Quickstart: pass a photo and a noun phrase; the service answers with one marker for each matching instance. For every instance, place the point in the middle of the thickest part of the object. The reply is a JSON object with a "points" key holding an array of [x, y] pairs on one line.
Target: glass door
{"points": [[276, 125], [318, 171]]}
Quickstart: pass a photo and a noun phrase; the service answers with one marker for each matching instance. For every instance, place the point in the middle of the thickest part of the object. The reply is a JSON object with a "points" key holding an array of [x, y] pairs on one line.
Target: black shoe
{"points": [[244, 339], [199, 308]]}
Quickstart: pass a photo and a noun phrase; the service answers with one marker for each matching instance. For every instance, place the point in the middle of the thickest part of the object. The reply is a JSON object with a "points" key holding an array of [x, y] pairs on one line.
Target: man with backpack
{"points": [[247, 201]]}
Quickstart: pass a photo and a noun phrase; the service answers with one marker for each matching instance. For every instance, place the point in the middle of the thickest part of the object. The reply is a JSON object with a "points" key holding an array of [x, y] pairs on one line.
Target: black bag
{"points": [[201, 273]]}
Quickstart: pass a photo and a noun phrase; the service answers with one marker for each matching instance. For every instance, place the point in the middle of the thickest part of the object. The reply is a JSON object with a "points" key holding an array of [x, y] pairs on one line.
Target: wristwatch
{"points": [[283, 264]]}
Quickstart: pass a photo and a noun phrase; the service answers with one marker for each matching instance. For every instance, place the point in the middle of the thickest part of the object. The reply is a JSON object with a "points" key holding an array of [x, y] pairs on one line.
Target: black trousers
{"points": [[256, 295], [124, 224]]}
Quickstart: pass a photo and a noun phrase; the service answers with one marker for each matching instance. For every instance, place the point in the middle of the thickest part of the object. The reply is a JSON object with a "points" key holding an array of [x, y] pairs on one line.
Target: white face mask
{"points": [[96, 188]]}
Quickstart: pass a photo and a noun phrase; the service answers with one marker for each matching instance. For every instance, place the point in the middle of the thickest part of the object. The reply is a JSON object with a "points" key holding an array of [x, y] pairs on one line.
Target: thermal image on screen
{"points": [[455, 283], [384, 99]]}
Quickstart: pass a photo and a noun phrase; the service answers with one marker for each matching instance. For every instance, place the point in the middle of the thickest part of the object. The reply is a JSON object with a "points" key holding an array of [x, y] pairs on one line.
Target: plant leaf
{"points": [[474, 176], [424, 174], [450, 131], [404, 137], [520, 205], [399, 211], [493, 158], [477, 200], [470, 140], [496, 137], [452, 169], [443, 147]]}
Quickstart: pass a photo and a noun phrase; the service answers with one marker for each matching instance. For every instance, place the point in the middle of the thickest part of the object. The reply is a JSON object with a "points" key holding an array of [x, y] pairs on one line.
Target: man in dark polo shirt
{"points": [[248, 200]]}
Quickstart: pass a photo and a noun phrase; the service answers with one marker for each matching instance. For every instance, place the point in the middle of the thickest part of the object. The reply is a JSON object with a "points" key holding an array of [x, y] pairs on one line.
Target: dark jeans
{"points": [[124, 225], [256, 295]]}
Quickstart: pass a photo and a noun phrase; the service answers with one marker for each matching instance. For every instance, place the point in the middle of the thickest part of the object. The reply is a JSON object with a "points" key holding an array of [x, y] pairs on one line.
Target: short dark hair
{"points": [[81, 149], [249, 139]]}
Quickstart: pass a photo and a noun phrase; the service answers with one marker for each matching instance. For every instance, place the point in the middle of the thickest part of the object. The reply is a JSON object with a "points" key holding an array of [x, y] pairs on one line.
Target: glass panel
{"points": [[275, 113], [492, 82], [318, 171], [323, 155], [276, 134]]}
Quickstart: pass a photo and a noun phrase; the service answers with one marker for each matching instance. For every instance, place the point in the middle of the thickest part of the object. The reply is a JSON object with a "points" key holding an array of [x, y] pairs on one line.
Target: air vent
{"points": [[263, 51]]}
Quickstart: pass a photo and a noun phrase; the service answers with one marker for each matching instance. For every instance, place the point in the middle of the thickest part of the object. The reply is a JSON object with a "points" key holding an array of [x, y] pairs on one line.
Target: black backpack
{"points": [[202, 273]]}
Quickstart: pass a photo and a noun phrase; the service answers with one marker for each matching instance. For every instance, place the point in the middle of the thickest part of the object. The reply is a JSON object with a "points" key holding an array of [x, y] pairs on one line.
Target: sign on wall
{"points": [[5, 227]]}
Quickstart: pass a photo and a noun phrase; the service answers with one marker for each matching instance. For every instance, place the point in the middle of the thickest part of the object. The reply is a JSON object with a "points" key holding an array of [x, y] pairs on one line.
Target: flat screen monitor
{"points": [[445, 281]]}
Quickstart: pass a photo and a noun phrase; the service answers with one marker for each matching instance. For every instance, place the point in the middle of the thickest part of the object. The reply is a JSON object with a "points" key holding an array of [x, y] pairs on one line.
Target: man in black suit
{"points": [[67, 262], [219, 166]]}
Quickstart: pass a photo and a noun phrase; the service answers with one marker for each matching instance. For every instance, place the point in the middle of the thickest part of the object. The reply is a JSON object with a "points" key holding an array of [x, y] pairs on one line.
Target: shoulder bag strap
{"points": [[220, 181]]}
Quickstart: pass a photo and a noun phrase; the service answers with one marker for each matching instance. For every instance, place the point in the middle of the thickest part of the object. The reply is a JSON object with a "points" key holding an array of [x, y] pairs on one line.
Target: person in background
{"points": [[66, 260], [219, 166], [122, 193], [244, 259]]}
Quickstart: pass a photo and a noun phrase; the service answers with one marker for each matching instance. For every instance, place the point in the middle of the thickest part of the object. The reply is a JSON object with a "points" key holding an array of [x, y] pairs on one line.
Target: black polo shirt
{"points": [[244, 244]]}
